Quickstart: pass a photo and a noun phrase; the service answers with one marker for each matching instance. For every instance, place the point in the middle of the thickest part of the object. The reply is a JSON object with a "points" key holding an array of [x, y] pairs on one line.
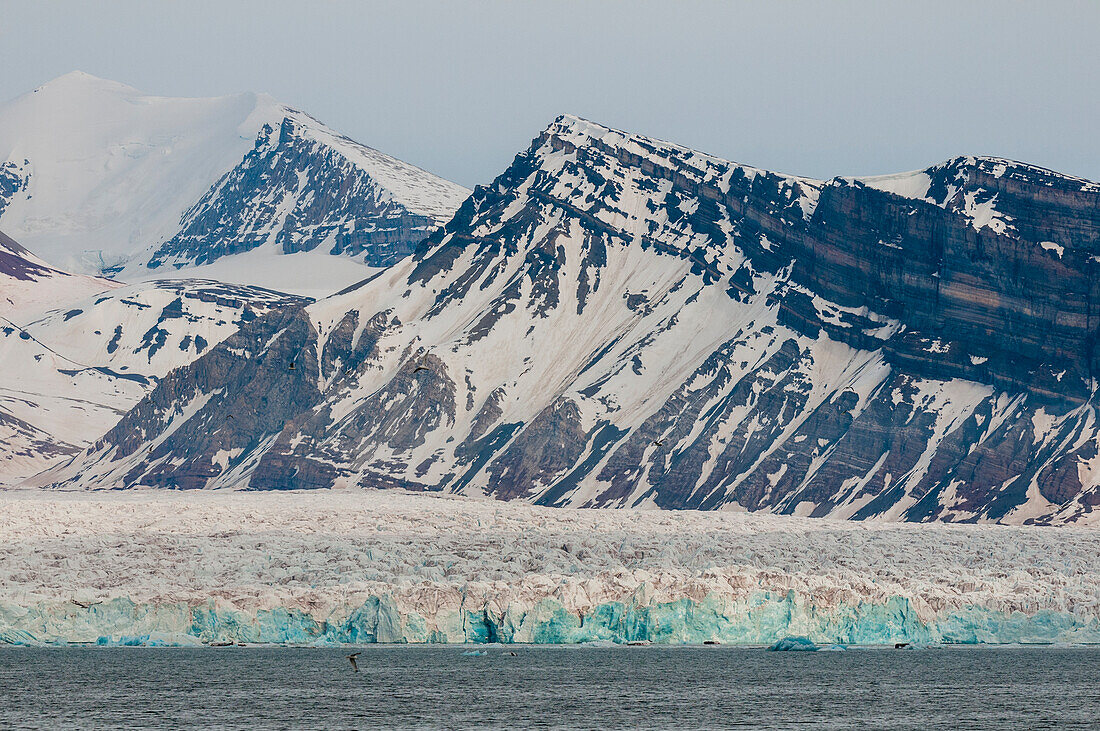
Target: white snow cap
{"points": [[110, 170]]}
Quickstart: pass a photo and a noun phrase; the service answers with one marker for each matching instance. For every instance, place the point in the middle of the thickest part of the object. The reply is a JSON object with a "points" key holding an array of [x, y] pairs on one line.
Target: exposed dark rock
{"points": [[13, 179], [298, 193], [235, 397], [706, 335]]}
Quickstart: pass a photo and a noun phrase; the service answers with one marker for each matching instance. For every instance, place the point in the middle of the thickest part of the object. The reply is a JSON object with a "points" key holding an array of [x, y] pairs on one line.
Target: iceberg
{"points": [[794, 644], [152, 639], [365, 567]]}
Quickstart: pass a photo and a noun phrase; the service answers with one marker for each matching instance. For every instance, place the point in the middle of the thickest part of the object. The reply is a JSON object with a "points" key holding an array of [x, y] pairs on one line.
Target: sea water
{"points": [[441, 687]]}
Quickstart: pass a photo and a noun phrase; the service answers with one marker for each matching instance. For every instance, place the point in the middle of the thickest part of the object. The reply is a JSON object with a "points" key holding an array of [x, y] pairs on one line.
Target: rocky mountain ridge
{"points": [[621, 321], [302, 187]]}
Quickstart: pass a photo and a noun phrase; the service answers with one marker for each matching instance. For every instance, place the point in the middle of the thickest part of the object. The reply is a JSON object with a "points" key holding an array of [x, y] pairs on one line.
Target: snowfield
{"points": [[142, 567]]}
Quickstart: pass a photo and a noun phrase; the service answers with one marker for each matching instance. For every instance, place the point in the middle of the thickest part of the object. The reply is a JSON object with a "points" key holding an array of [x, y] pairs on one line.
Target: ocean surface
{"points": [[440, 687]]}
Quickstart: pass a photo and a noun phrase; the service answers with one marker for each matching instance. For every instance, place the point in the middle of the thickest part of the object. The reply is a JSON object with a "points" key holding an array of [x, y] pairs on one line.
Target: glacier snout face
{"points": [[391, 566]]}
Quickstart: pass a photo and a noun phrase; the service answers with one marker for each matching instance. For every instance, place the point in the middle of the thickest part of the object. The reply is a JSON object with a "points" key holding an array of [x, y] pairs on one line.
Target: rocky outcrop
{"points": [[300, 188], [12, 180], [17, 263], [1010, 302], [221, 410], [617, 321]]}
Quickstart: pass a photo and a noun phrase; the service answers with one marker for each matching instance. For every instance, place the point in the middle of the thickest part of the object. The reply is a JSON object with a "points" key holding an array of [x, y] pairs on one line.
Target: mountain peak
{"points": [[579, 125], [80, 88], [971, 175], [915, 184], [75, 80], [580, 132], [623, 321], [99, 177], [78, 76]]}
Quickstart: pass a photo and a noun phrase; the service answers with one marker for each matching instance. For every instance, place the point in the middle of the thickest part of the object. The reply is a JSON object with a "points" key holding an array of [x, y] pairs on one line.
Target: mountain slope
{"points": [[302, 187], [75, 370], [100, 177], [29, 285], [620, 321]]}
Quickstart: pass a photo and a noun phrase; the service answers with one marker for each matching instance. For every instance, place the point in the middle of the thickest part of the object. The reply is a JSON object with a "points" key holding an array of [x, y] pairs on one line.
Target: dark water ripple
{"points": [[549, 687]]}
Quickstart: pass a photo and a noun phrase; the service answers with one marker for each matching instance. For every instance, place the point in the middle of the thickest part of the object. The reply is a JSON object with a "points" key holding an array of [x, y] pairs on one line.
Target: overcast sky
{"points": [[815, 88]]}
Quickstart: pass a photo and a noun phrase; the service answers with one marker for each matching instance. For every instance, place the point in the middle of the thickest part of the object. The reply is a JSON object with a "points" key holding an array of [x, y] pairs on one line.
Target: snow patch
{"points": [[1051, 246]]}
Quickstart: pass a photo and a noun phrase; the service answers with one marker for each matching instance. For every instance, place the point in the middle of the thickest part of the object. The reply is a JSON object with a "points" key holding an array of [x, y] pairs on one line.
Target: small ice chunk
{"points": [[794, 644]]}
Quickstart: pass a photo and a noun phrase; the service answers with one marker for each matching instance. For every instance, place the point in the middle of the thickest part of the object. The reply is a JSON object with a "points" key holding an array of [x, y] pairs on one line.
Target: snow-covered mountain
{"points": [[621, 321], [79, 353], [29, 285], [98, 177]]}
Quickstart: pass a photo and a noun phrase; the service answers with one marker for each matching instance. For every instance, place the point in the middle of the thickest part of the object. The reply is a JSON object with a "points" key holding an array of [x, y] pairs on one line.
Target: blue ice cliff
{"points": [[763, 618], [386, 566]]}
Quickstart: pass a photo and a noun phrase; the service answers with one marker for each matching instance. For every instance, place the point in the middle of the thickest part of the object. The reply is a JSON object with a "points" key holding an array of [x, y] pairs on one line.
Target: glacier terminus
{"points": [[358, 567]]}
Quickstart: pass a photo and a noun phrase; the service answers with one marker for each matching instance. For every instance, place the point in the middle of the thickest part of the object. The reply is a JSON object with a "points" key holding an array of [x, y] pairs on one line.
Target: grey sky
{"points": [[816, 88]]}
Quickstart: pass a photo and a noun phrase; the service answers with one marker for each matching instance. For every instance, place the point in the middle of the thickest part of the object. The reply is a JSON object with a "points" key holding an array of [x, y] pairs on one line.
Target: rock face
{"points": [[217, 423], [12, 180], [302, 187], [618, 321], [1006, 274]]}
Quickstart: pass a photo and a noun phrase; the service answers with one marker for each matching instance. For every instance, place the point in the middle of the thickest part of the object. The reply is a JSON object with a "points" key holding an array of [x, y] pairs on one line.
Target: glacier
{"points": [[364, 566]]}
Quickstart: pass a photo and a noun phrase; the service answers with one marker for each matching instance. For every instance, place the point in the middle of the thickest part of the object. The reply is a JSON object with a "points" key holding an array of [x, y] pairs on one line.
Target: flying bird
{"points": [[658, 442], [351, 659]]}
